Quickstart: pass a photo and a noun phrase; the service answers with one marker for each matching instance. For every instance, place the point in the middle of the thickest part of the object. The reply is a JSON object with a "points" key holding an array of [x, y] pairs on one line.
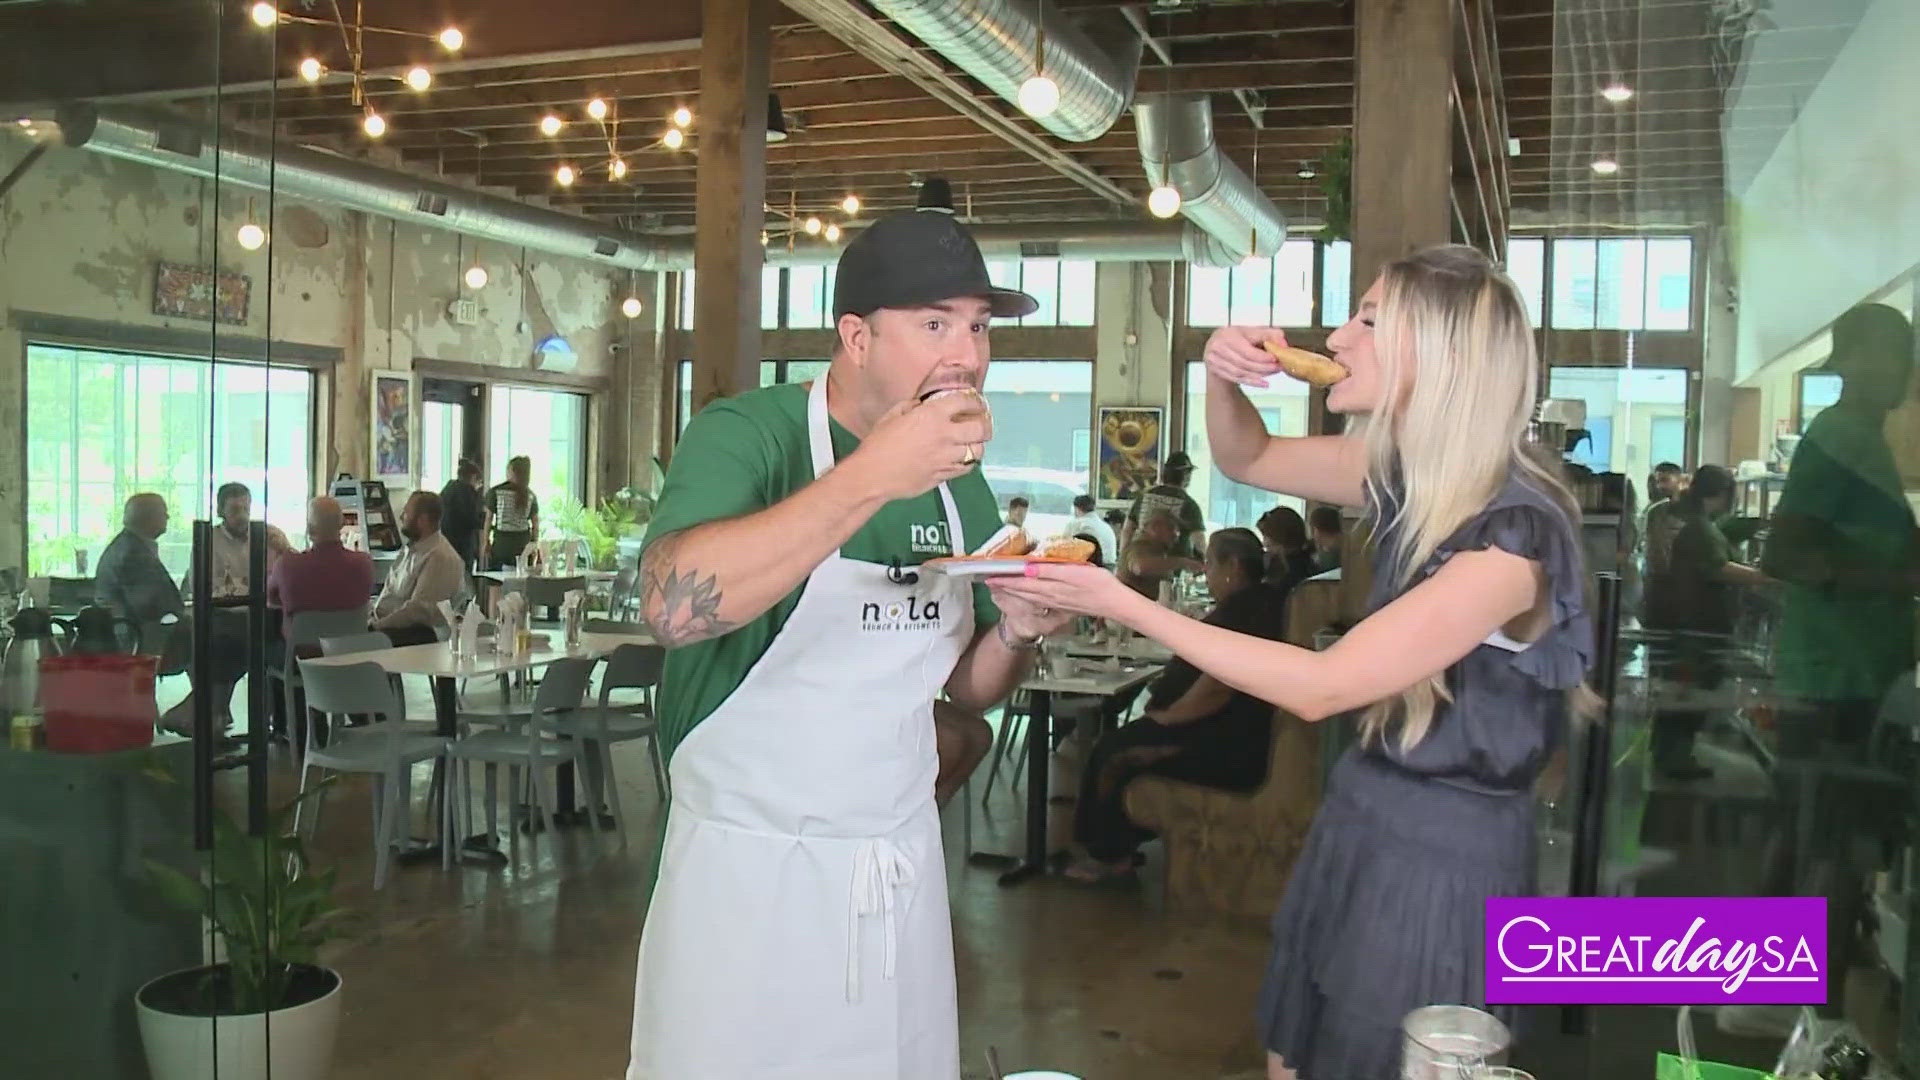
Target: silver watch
{"points": [[1017, 644]]}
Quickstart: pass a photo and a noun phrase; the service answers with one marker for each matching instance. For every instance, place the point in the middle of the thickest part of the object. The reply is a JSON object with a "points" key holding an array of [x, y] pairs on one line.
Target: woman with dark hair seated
{"points": [[1195, 728], [1289, 549]]}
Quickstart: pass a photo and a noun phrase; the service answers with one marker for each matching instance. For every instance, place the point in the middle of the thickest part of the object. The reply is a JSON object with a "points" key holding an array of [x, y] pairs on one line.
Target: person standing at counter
{"points": [[799, 925], [1464, 673], [512, 516], [464, 513]]}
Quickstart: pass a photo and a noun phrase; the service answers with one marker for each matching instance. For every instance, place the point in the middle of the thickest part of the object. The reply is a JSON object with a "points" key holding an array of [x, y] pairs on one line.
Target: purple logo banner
{"points": [[1651, 950]]}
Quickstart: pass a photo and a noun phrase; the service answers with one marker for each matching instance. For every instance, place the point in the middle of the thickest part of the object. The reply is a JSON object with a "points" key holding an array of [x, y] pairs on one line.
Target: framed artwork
{"points": [[1129, 451], [188, 292], [392, 415]]}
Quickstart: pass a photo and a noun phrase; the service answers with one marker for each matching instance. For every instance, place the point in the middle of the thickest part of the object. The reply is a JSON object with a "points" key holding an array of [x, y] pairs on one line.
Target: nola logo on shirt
{"points": [[930, 539], [906, 613]]}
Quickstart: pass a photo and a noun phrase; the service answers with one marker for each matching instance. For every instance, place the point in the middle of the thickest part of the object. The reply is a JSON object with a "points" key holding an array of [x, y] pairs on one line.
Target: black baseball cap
{"points": [[1178, 462], [915, 258]]}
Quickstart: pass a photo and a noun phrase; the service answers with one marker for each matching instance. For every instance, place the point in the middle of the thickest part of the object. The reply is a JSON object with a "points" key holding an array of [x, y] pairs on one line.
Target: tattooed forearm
{"points": [[680, 603]]}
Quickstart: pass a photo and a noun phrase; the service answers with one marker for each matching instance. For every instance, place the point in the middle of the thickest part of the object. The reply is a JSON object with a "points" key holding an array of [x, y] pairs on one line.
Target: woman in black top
{"points": [[513, 516], [1196, 728], [461, 512]]}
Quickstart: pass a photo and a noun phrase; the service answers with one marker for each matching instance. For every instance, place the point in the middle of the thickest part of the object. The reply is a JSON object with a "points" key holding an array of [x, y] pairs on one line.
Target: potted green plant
{"points": [[270, 1009]]}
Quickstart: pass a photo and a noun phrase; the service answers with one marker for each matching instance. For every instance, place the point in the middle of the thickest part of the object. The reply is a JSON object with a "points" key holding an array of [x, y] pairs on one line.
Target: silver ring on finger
{"points": [[967, 456]]}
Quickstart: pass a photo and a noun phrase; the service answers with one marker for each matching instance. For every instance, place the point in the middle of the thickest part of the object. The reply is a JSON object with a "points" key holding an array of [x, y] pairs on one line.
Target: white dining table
{"points": [[1066, 676], [1131, 647], [435, 661]]}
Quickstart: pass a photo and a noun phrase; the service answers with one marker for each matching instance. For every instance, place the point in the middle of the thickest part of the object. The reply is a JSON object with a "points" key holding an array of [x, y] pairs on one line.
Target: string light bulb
{"points": [[674, 139], [682, 117], [1039, 97], [1164, 201], [1618, 93], [617, 168], [1606, 166], [311, 69], [564, 175], [451, 39], [597, 109], [264, 14], [630, 307], [419, 78], [763, 238], [251, 236], [476, 277], [550, 125], [833, 234], [851, 204], [374, 124], [812, 225]]}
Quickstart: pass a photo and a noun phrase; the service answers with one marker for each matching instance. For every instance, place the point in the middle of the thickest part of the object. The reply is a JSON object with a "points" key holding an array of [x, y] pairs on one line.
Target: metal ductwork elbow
{"points": [[1177, 147], [192, 146], [993, 41]]}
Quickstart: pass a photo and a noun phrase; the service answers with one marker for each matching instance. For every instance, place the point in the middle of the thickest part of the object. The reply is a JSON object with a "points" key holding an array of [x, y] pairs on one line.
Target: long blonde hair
{"points": [[1453, 427]]}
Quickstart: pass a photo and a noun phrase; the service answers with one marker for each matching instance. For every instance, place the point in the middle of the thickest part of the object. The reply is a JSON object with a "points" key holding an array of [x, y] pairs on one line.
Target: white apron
{"points": [[799, 930]]}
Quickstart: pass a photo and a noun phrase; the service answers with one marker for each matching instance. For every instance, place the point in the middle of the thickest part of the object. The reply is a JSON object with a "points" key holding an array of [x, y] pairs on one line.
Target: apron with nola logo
{"points": [[800, 928]]}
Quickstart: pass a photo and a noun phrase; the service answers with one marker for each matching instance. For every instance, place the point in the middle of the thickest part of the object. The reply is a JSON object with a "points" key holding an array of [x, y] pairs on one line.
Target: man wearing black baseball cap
{"points": [[1170, 496], [801, 911]]}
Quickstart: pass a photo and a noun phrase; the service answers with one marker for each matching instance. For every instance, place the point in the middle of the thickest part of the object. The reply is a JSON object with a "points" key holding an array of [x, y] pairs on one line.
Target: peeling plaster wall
{"points": [[81, 233]]}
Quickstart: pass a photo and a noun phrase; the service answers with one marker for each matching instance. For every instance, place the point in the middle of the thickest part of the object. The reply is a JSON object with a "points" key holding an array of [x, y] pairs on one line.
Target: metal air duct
{"points": [[993, 41], [1096, 241], [189, 146], [1176, 139]]}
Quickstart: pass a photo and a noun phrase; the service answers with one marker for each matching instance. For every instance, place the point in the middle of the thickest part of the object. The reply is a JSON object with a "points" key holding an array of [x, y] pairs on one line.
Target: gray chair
{"points": [[388, 749], [523, 744], [547, 592], [623, 596], [629, 667], [312, 628]]}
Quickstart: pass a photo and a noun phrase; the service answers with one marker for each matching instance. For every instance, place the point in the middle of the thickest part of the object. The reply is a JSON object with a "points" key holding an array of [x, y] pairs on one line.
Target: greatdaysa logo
{"points": [[906, 613], [1656, 950], [930, 539]]}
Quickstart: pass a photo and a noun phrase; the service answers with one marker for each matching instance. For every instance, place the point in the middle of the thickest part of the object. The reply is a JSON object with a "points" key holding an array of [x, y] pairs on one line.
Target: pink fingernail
{"points": [[1033, 570]]}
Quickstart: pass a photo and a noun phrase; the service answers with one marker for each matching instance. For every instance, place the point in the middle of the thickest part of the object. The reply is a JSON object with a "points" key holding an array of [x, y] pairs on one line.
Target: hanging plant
{"points": [[1335, 175]]}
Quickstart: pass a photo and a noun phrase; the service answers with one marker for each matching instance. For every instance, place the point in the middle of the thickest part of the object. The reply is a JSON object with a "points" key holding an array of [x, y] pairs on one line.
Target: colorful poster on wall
{"points": [[393, 427], [189, 292], [1130, 451]]}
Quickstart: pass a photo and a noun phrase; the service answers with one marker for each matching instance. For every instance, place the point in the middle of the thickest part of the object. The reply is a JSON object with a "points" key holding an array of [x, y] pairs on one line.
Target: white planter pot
{"points": [[287, 1044]]}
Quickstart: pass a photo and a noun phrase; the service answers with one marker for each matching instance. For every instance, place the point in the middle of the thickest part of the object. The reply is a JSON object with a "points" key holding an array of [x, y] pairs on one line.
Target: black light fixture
{"points": [[935, 194], [776, 120]]}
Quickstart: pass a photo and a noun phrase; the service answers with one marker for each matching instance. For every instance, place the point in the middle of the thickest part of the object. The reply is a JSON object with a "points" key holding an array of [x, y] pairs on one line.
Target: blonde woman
{"points": [[1461, 679]]}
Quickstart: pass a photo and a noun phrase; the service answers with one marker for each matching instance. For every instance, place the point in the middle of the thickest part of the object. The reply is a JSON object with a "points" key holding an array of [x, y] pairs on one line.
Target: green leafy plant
{"points": [[1335, 175], [602, 527], [272, 909]]}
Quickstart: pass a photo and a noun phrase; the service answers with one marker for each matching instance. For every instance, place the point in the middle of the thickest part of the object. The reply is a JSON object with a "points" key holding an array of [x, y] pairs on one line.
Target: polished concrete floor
{"points": [[525, 971]]}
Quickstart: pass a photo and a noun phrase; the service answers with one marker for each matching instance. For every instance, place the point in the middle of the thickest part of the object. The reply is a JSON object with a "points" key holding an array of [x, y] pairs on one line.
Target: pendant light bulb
{"points": [[419, 78], [682, 117], [763, 238], [850, 204], [812, 225], [1164, 201], [451, 39], [564, 176], [264, 14], [550, 125], [374, 124], [630, 307], [476, 277], [597, 108], [1039, 97], [311, 69], [674, 139], [1606, 166], [617, 168], [251, 236], [833, 234]]}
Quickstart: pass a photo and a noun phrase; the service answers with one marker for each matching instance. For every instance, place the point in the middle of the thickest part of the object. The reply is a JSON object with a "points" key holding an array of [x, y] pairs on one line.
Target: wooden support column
{"points": [[1402, 131], [730, 137]]}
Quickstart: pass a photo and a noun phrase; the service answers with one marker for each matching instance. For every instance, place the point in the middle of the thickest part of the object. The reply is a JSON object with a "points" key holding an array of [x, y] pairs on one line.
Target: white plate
{"points": [[978, 567]]}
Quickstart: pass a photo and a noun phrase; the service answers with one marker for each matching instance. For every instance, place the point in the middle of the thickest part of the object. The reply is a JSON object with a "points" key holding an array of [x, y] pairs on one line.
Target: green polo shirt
{"points": [[746, 453]]}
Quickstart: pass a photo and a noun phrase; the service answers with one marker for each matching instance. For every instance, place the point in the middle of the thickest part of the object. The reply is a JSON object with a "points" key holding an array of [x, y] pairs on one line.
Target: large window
{"points": [[1636, 417], [1818, 390], [1622, 283], [105, 425], [772, 373], [810, 297], [549, 427], [1042, 436], [1527, 266], [1259, 292], [1227, 502], [1064, 288], [769, 298]]}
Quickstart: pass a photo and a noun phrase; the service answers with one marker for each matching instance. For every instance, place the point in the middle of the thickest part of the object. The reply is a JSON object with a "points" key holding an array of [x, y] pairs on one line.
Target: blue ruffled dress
{"points": [[1385, 909]]}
